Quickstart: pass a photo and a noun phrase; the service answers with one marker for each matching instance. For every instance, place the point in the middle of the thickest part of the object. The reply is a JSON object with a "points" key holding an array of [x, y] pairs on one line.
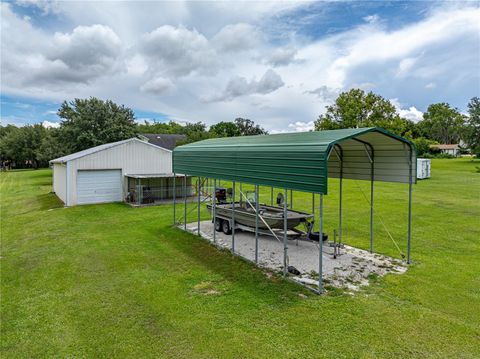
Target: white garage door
{"points": [[99, 186]]}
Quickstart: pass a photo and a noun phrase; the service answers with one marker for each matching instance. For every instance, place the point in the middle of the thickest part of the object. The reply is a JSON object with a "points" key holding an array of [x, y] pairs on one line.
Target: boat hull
{"points": [[273, 216]]}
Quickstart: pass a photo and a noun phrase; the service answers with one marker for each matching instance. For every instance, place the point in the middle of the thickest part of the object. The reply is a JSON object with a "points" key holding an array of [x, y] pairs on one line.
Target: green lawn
{"points": [[115, 281]]}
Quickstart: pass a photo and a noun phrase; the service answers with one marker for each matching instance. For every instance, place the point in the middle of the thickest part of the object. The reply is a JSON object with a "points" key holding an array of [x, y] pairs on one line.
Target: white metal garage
{"points": [[98, 174]]}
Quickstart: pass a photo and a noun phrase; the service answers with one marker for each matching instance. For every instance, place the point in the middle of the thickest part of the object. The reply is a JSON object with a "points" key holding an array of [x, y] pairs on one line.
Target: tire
{"points": [[218, 224], [226, 227]]}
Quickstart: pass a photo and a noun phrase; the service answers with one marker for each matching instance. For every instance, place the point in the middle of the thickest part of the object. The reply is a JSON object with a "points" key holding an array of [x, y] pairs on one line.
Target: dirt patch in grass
{"points": [[207, 288]]}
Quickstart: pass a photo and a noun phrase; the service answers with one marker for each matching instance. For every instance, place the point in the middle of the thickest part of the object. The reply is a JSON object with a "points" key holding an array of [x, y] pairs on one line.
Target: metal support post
{"points": [[285, 227], [271, 196], [339, 152], [372, 180], [340, 205], [139, 201], [174, 199], [233, 216], [198, 205], [214, 210], [256, 223], [410, 182], [184, 202], [371, 156], [320, 246], [241, 191], [313, 205], [291, 199]]}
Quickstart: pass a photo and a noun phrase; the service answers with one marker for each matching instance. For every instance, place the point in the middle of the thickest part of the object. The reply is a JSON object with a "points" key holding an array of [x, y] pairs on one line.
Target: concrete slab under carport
{"points": [[351, 269]]}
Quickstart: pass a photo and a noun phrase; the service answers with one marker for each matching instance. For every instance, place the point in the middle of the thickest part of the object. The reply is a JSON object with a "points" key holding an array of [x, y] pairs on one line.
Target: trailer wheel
{"points": [[226, 227], [218, 224]]}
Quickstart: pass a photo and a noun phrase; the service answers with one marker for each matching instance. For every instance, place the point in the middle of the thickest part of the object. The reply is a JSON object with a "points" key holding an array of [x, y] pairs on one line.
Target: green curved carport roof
{"points": [[297, 161]]}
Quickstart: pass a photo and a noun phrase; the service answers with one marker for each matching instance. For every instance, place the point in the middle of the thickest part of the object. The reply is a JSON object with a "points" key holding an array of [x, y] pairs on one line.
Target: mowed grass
{"points": [[115, 281]]}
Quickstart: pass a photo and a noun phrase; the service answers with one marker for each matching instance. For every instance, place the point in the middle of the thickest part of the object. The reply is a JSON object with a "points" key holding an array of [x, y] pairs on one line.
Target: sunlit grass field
{"points": [[115, 281]]}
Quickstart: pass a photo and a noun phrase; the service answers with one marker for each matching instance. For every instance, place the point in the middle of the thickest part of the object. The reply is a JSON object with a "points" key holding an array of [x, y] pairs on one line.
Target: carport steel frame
{"points": [[324, 143]]}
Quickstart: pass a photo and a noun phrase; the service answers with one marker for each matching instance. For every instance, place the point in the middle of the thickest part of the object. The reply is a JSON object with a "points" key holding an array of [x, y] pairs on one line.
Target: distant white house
{"points": [[131, 170], [448, 149]]}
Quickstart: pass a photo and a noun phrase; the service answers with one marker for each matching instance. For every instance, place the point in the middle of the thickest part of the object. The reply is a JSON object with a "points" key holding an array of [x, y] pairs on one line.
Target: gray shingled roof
{"points": [[167, 141]]}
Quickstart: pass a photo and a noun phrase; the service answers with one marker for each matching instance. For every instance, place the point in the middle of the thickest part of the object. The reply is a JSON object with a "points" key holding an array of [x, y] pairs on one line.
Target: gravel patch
{"points": [[351, 269]]}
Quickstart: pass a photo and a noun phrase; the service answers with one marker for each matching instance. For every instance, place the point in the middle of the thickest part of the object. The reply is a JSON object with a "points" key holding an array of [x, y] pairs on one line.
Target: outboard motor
{"points": [[221, 195]]}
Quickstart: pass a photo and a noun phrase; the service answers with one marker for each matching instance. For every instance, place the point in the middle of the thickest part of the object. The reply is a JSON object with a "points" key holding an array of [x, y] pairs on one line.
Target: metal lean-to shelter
{"points": [[304, 162]]}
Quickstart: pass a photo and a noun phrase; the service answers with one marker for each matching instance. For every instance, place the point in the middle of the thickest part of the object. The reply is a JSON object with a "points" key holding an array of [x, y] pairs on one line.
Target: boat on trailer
{"points": [[269, 216]]}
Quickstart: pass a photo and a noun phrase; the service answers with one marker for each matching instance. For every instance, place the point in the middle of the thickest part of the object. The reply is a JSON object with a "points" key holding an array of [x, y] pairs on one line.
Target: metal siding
{"points": [[266, 166], [99, 186], [132, 157], [59, 181], [297, 160]]}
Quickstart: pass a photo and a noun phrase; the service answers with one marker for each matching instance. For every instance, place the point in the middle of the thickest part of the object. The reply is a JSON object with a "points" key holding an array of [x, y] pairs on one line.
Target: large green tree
{"points": [[442, 123], [195, 131], [92, 122], [5, 132], [170, 127], [51, 146], [355, 109], [472, 130], [247, 127], [20, 145], [225, 129]]}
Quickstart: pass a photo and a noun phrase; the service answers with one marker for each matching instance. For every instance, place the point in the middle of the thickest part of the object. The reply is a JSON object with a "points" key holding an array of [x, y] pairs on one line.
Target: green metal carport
{"points": [[304, 161]]}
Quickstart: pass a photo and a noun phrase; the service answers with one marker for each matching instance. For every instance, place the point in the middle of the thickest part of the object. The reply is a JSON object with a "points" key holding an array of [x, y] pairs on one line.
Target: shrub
{"points": [[476, 151], [423, 146], [444, 155]]}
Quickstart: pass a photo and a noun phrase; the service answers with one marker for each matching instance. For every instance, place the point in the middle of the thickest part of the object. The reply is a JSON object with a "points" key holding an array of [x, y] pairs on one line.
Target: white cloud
{"points": [[177, 51], [48, 124], [412, 113], [136, 65], [240, 86], [88, 48], [237, 37], [282, 56], [373, 45], [300, 126], [371, 18], [156, 86], [188, 53], [325, 93], [269, 82], [33, 60], [405, 66]]}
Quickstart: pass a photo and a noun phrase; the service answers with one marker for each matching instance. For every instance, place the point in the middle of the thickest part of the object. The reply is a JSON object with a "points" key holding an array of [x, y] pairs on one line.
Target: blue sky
{"points": [[320, 19], [279, 64]]}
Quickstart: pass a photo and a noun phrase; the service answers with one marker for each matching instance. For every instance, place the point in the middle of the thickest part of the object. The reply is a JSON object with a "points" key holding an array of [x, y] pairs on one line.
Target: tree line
{"points": [[91, 122]]}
